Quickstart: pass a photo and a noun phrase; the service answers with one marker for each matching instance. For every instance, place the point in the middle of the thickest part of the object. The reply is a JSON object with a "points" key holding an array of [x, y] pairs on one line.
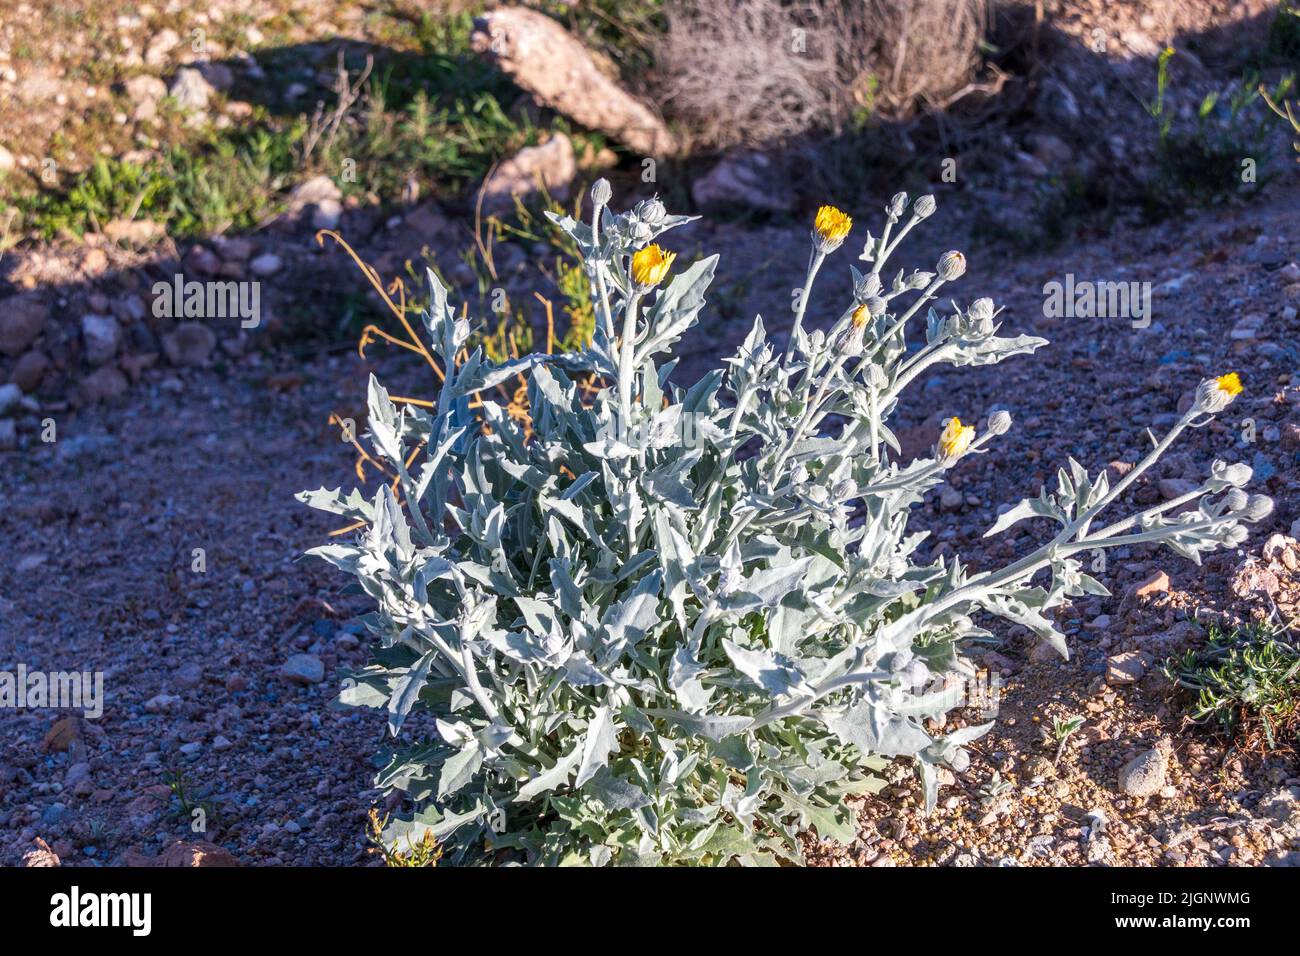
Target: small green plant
{"points": [[423, 852], [1284, 32], [673, 625], [189, 809], [1245, 682], [995, 787], [230, 181], [1286, 110], [1062, 729], [1218, 153]]}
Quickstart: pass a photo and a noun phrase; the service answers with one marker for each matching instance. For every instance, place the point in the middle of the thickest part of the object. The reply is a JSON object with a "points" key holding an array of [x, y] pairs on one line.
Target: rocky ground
{"points": [[217, 680], [148, 467]]}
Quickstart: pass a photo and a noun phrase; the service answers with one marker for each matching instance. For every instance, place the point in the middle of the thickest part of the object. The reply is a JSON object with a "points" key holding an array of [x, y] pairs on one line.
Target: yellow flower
{"points": [[650, 265], [1229, 384], [955, 439], [861, 315], [831, 225]]}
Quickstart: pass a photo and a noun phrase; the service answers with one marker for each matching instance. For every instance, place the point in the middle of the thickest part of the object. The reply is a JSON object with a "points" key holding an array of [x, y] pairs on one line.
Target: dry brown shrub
{"points": [[755, 72]]}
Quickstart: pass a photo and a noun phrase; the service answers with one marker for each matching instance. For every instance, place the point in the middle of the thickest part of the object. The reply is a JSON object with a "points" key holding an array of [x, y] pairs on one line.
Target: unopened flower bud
{"points": [[981, 310], [1234, 535], [1000, 422], [639, 232], [919, 279], [876, 306], [600, 193], [1236, 500], [952, 265], [867, 287], [897, 205], [1236, 474], [650, 211], [1259, 507], [924, 207]]}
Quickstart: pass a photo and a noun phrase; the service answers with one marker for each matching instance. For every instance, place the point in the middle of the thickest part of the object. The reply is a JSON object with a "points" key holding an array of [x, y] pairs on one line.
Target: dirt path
{"points": [[99, 572]]}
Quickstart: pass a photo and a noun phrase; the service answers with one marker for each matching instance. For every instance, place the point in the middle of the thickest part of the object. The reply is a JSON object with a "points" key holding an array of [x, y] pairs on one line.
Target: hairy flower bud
{"points": [[1236, 473], [999, 423], [897, 205], [1236, 500], [650, 211], [981, 310], [924, 207], [600, 193], [919, 279], [1234, 535], [867, 287], [1258, 507], [952, 265]]}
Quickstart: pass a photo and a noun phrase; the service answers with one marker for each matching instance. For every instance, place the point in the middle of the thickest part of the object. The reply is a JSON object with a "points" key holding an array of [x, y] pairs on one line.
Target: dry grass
{"points": [[757, 72]]}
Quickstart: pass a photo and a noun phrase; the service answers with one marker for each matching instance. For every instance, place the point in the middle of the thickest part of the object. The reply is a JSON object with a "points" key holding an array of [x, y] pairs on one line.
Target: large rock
{"points": [[136, 232], [196, 853], [189, 344], [550, 166], [191, 90], [105, 383], [322, 196], [11, 396], [1128, 667], [1144, 775], [162, 44], [144, 93], [101, 336], [21, 319], [313, 190], [547, 61], [303, 669], [40, 856], [744, 180]]}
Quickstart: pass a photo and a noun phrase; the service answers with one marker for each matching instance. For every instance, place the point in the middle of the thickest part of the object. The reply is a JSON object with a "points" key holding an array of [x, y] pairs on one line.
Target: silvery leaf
{"points": [[775, 673]]}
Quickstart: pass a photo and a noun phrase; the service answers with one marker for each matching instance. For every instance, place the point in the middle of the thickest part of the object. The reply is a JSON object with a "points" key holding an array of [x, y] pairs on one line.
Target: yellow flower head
{"points": [[1229, 384], [831, 226], [861, 316], [650, 265], [955, 439]]}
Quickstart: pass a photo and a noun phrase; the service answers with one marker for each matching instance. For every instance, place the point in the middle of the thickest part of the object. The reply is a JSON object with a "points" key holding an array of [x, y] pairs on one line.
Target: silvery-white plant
{"points": [[682, 625]]}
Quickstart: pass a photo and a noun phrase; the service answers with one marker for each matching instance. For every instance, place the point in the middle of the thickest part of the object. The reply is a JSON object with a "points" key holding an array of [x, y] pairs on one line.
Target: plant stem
{"points": [[814, 263]]}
